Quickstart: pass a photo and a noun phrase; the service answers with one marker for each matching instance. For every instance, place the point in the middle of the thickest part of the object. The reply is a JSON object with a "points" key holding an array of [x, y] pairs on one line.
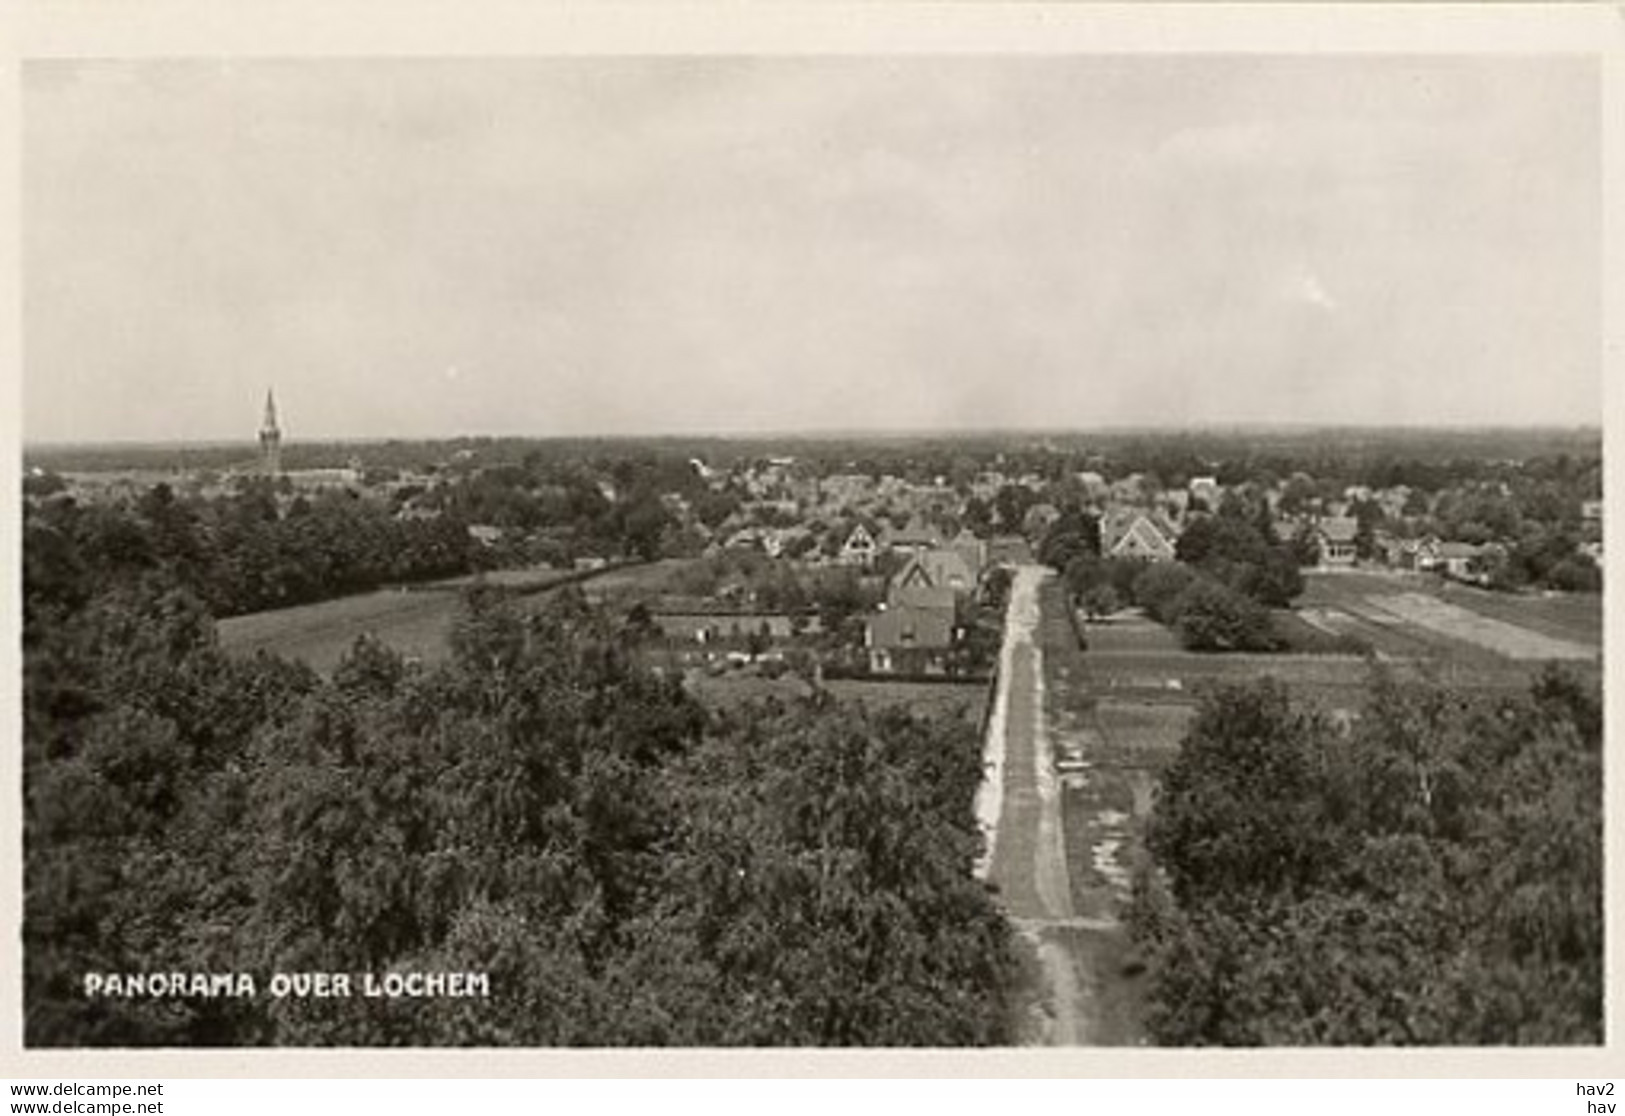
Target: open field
{"points": [[1417, 615], [416, 622], [1466, 637], [518, 581], [1570, 616], [1130, 633], [1142, 733], [651, 577], [1136, 662], [1511, 640]]}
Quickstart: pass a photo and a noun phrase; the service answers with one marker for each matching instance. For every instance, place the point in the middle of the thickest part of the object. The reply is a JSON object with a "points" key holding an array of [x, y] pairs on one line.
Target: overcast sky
{"points": [[420, 248]]}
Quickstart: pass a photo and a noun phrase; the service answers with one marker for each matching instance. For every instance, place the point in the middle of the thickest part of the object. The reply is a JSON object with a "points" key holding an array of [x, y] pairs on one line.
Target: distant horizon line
{"points": [[835, 434]]}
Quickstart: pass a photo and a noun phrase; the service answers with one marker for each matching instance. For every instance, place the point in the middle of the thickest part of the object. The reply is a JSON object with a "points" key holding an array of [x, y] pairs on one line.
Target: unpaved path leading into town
{"points": [[1019, 807]]}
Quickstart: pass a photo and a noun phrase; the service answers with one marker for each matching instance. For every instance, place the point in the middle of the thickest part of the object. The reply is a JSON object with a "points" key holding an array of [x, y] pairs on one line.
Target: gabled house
{"points": [[913, 634], [1396, 552], [1137, 536], [941, 568], [860, 548], [1460, 560], [1335, 536]]}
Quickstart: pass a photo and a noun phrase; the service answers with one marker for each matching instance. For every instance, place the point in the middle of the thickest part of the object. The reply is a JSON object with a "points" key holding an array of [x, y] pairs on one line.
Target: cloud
{"points": [[1310, 290]]}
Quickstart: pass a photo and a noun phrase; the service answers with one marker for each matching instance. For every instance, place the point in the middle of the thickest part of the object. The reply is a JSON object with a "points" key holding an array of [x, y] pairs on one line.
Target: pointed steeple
{"points": [[269, 422], [270, 439]]}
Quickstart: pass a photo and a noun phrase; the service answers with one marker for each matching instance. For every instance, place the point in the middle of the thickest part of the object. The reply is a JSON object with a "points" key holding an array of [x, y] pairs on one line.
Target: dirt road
{"points": [[1020, 808]]}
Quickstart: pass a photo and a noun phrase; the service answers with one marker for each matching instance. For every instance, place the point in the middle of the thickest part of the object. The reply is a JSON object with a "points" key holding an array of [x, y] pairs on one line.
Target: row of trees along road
{"points": [[1431, 875], [628, 868]]}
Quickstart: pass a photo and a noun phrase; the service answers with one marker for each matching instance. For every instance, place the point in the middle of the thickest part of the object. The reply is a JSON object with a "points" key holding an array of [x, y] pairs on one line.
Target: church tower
{"points": [[270, 440]]}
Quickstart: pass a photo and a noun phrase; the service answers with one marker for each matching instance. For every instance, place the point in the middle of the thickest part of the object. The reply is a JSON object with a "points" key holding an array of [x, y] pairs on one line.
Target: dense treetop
{"points": [[628, 868], [1429, 875]]}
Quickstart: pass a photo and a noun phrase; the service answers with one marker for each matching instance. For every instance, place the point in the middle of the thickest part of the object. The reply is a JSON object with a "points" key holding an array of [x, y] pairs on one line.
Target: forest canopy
{"points": [[628, 868], [1428, 874]]}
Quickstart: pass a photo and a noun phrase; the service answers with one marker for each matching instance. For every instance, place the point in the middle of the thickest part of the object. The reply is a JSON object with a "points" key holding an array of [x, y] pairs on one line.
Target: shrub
{"points": [[1160, 587], [1212, 617]]}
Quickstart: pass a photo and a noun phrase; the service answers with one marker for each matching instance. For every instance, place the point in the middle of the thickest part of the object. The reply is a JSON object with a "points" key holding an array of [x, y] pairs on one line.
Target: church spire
{"points": [[270, 439]]}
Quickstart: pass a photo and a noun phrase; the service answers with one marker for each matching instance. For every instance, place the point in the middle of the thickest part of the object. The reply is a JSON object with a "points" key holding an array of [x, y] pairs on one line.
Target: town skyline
{"points": [[861, 434]]}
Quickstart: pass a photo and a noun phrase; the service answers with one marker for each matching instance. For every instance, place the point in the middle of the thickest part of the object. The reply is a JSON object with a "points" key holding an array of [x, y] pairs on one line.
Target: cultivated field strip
{"points": [[1510, 640]]}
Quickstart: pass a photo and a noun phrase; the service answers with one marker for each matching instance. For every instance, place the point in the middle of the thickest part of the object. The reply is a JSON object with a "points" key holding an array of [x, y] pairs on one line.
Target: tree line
{"points": [[240, 553]]}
